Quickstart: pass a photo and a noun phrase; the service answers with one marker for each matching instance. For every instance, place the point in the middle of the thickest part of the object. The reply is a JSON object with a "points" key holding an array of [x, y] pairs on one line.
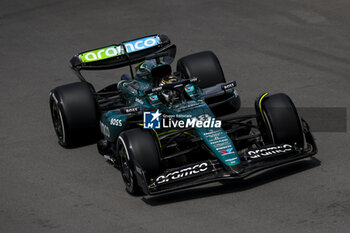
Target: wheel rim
{"points": [[125, 168], [57, 121]]}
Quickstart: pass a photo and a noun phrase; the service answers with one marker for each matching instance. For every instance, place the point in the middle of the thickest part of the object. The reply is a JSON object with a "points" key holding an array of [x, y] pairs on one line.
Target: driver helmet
{"points": [[150, 69], [169, 79]]}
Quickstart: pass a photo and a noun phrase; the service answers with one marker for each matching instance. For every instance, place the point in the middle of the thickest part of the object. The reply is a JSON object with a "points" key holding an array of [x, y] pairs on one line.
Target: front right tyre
{"points": [[74, 114], [279, 119], [206, 67]]}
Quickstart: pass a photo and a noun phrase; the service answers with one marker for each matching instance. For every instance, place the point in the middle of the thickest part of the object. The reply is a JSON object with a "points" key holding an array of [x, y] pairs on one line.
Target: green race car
{"points": [[168, 130]]}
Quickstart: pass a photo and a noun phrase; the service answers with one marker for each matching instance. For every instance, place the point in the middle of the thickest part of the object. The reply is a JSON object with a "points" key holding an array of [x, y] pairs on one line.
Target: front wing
{"points": [[212, 170]]}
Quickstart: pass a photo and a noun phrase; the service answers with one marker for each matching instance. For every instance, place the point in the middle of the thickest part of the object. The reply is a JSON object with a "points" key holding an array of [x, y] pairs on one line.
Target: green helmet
{"points": [[150, 69]]}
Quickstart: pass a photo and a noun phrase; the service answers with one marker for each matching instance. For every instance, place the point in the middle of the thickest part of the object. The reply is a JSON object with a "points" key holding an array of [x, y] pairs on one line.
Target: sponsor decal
{"points": [[232, 161], [113, 51], [141, 44], [220, 141], [151, 120], [182, 173], [229, 85], [269, 151], [101, 54], [104, 129], [178, 85], [226, 151], [153, 98], [130, 109], [140, 101], [157, 89], [193, 80], [189, 88], [116, 122]]}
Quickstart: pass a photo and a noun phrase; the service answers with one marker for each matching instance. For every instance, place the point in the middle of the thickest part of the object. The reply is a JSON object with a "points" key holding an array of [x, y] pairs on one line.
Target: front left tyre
{"points": [[74, 114]]}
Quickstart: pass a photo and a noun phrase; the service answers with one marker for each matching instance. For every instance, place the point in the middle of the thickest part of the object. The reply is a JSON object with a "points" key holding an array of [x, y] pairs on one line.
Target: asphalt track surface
{"points": [[300, 47]]}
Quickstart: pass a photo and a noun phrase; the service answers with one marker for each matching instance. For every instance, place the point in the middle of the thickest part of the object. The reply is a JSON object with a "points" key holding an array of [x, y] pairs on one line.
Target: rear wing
{"points": [[119, 55], [123, 54]]}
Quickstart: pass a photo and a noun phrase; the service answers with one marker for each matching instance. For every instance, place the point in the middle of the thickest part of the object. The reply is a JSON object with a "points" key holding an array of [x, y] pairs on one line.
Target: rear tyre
{"points": [[74, 114], [138, 150], [206, 67], [203, 65], [278, 117]]}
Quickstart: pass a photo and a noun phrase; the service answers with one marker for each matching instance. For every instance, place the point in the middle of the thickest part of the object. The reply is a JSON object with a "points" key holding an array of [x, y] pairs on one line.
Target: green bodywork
{"points": [[216, 139]]}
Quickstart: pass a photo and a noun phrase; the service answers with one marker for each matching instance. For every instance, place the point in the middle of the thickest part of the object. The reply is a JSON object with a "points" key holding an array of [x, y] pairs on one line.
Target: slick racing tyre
{"points": [[206, 66], [203, 65], [138, 153], [74, 114], [278, 117]]}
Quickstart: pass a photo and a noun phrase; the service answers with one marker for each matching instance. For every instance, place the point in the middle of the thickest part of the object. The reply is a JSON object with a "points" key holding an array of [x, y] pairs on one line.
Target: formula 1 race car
{"points": [[169, 130]]}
